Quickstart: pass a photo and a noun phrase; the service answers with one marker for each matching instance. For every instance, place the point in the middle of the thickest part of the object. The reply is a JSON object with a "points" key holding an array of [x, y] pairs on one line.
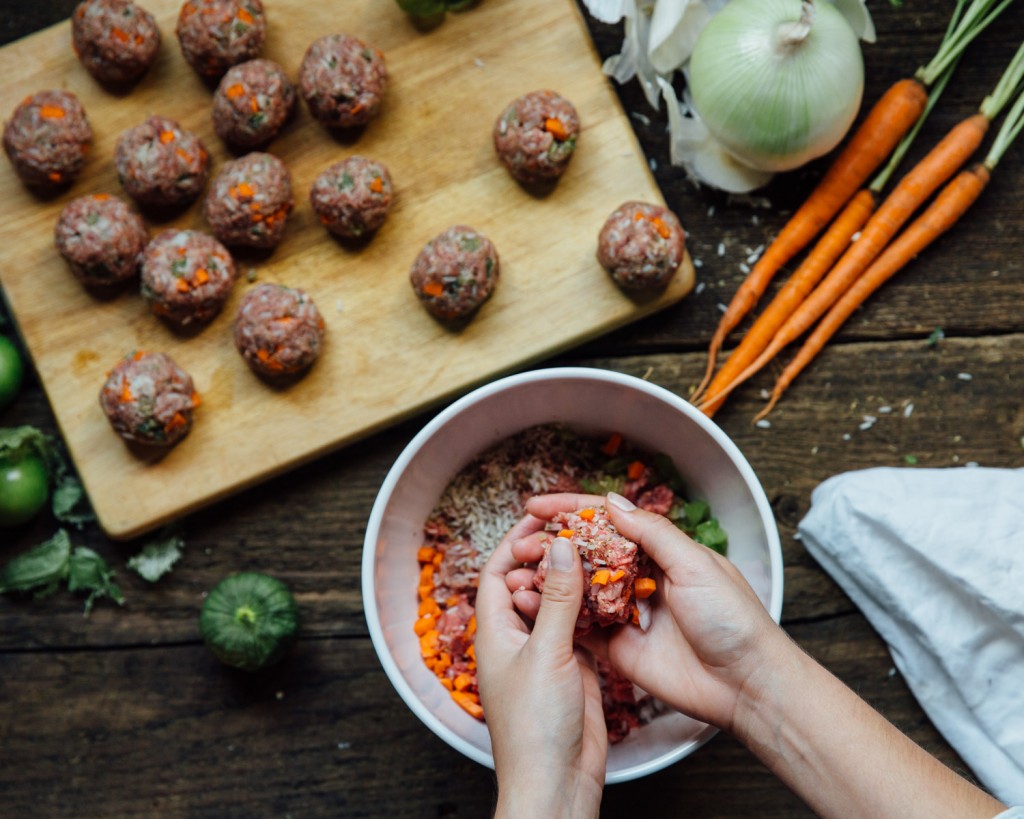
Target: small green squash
{"points": [[249, 620]]}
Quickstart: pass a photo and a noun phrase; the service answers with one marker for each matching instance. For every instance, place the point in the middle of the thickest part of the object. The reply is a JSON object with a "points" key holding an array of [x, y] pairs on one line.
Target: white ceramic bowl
{"points": [[590, 401]]}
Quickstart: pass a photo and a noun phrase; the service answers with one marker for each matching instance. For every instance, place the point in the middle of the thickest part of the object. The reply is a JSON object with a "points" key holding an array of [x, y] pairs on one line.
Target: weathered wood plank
{"points": [[168, 731], [308, 527]]}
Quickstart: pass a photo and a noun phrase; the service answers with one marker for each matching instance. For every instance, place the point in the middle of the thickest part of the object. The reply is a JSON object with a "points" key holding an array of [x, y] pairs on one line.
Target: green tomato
{"points": [[249, 620], [422, 8], [11, 371], [24, 489]]}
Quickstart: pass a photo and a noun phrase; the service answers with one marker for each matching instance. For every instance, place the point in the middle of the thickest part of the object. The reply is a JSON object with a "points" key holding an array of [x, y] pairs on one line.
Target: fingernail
{"points": [[561, 554], [619, 502]]}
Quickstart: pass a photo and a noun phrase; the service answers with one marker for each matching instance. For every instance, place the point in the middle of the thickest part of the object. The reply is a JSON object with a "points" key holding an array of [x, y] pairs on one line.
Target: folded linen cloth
{"points": [[935, 560]]}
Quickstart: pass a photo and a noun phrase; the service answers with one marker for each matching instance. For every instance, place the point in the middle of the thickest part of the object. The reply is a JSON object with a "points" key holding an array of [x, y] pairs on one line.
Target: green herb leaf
{"points": [[712, 535], [40, 569], [157, 557], [936, 336], [89, 572], [697, 512]]}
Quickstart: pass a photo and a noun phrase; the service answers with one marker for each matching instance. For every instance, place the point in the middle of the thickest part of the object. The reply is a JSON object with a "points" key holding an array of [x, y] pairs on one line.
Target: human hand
{"points": [[710, 640], [540, 693]]}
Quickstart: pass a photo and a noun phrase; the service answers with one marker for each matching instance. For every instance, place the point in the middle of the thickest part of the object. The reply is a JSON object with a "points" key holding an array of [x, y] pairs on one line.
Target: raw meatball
{"points": [[252, 103], [455, 273], [249, 201], [352, 197], [149, 399], [611, 563], [278, 331], [217, 34], [535, 136], [160, 163], [116, 40], [641, 245], [186, 276], [47, 139], [101, 239], [342, 80]]}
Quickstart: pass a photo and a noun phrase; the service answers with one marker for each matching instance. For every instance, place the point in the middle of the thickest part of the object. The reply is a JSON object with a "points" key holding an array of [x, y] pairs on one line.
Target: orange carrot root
{"points": [[885, 125], [954, 200]]}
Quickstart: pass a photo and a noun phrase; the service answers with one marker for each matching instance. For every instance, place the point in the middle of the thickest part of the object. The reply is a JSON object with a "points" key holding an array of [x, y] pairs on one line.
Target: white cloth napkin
{"points": [[935, 560]]}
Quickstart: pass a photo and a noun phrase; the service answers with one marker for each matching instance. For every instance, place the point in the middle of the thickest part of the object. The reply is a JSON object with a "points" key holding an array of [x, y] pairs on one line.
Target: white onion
{"points": [[777, 82]]}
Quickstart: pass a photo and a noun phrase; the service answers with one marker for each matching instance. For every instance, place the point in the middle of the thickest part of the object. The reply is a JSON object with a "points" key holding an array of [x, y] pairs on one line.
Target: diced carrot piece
{"points": [[587, 514], [462, 681], [438, 558], [166, 136], [635, 470], [119, 34], [51, 112], [444, 662], [617, 575], [54, 176], [429, 646], [566, 533], [181, 285], [635, 618], [447, 683], [600, 577], [451, 601], [471, 626], [471, 653], [244, 16], [428, 606], [202, 277], [426, 592], [245, 189], [235, 91], [645, 587], [423, 625], [426, 574], [470, 703], [611, 446], [661, 227], [556, 128], [425, 554], [435, 289]]}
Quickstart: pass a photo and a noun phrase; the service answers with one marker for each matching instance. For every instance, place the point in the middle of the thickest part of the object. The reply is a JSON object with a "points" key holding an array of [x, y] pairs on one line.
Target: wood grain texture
{"points": [[385, 358], [124, 714]]}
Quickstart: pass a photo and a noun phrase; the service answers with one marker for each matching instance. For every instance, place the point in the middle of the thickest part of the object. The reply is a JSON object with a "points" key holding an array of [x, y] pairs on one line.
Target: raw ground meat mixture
{"points": [[116, 40], [101, 239], [641, 245], [47, 139], [486, 498]]}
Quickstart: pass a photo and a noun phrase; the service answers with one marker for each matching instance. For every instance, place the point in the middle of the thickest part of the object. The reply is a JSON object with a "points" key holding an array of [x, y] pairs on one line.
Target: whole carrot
{"points": [[913, 189], [940, 216], [835, 241], [889, 119], [892, 116]]}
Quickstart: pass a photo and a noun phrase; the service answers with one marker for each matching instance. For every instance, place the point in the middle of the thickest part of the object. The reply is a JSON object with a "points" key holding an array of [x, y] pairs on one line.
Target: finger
{"points": [[527, 602], [547, 506], [561, 598], [659, 537], [520, 579], [530, 549], [494, 599]]}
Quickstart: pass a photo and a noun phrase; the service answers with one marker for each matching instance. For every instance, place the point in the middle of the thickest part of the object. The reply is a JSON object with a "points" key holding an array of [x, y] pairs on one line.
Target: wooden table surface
{"points": [[126, 713]]}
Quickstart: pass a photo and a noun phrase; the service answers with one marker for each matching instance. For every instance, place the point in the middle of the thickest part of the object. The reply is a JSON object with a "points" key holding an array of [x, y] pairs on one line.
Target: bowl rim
{"points": [[442, 418]]}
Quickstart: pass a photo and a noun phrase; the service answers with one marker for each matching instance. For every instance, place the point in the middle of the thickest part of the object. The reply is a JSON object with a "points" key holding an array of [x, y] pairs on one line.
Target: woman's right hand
{"points": [[710, 642]]}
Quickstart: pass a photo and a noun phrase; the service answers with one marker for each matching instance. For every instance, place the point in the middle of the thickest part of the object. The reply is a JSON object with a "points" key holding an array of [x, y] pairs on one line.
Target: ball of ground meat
{"points": [[535, 136], [249, 201], [352, 197], [160, 163], [342, 80], [149, 399], [101, 239], [116, 40], [47, 138], [641, 245], [186, 276], [252, 103], [455, 273], [278, 331], [217, 34]]}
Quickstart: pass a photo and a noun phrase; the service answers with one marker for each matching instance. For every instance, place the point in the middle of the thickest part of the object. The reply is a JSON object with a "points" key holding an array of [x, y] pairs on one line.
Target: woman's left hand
{"points": [[540, 692]]}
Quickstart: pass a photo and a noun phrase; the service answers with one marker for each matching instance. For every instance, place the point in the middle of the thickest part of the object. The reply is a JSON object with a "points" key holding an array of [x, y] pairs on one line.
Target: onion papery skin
{"points": [[776, 107]]}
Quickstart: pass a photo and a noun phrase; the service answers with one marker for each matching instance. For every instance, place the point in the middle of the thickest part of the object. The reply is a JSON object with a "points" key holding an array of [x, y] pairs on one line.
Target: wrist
{"points": [[543, 793]]}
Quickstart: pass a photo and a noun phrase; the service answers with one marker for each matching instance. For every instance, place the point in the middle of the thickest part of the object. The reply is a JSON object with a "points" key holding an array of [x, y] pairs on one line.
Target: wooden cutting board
{"points": [[384, 357]]}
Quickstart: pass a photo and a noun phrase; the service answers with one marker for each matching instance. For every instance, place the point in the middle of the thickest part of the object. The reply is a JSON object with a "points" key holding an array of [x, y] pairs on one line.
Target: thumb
{"points": [[561, 598]]}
